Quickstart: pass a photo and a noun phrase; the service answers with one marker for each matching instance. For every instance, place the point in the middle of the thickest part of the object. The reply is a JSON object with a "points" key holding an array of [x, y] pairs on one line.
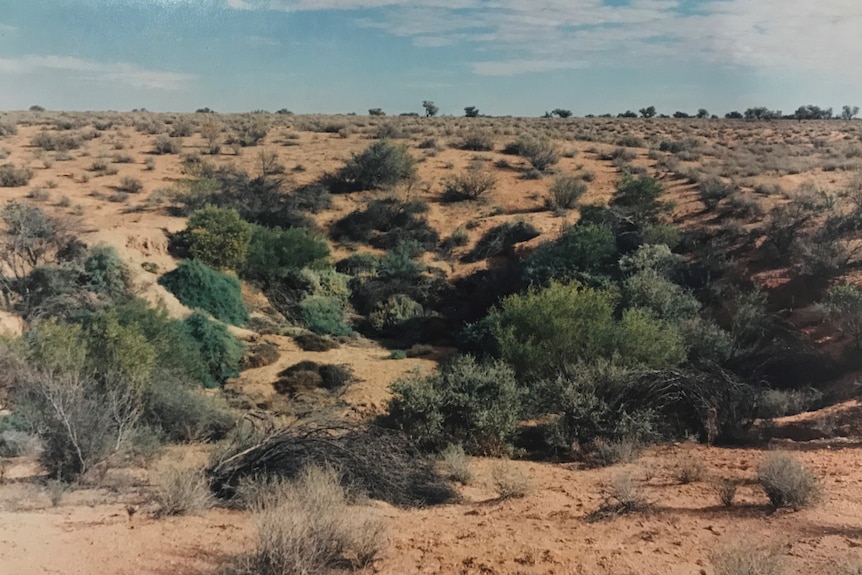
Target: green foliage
{"points": [[545, 331], [399, 263], [200, 287], [391, 314], [358, 264], [324, 316], [585, 251], [651, 258], [666, 300], [274, 252], [107, 274], [387, 223], [843, 306], [381, 165], [181, 413], [220, 351], [465, 402], [638, 197], [118, 352], [218, 237]]}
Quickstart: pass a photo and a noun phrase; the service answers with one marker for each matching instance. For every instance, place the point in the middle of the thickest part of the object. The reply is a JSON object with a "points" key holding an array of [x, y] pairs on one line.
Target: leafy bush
{"points": [[399, 261], [274, 252], [544, 331], [638, 197], [666, 300], [787, 482], [12, 177], [585, 251], [324, 316], [566, 191], [106, 274], [843, 306], [221, 352], [381, 165], [500, 240], [200, 287], [464, 402], [387, 223], [394, 314], [218, 237]]}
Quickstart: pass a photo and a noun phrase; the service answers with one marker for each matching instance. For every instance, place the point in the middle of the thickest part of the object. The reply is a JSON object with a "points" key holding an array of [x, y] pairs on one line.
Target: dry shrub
{"points": [[314, 342], [787, 482], [606, 452], [260, 355], [306, 526], [690, 471], [510, 482], [456, 464], [181, 491], [623, 497], [744, 558], [726, 490]]}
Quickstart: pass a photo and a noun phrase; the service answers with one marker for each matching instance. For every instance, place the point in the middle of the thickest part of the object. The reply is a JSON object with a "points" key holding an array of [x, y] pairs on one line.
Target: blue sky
{"points": [[518, 57]]}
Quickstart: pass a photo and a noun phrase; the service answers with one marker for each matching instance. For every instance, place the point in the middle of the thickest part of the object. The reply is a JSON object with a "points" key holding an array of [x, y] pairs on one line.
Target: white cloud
{"points": [[91, 70], [513, 67], [793, 35], [4, 28]]}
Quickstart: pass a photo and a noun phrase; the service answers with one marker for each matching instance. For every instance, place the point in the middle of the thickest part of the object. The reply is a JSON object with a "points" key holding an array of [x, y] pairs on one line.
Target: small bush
{"points": [[585, 251], [566, 191], [747, 559], [260, 355], [179, 412], [306, 526], [541, 153], [324, 316], [726, 490], [181, 492], [464, 402], [787, 482], [12, 177], [57, 141], [358, 264], [510, 482], [314, 342], [130, 185], [391, 314], [274, 252], [381, 165], [690, 471], [221, 352], [164, 144], [478, 141], [469, 185], [387, 223], [218, 237], [712, 191], [623, 497], [456, 464], [200, 287]]}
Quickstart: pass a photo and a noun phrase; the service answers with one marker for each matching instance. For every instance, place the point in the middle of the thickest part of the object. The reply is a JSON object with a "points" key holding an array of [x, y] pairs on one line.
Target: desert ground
{"points": [[110, 525]]}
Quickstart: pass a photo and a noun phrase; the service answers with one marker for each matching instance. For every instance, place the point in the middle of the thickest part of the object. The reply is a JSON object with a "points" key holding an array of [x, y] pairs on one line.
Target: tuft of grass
{"points": [[726, 490], [690, 471], [510, 482], [744, 558], [624, 497], [456, 463], [787, 482], [130, 185], [566, 191], [181, 491], [306, 526]]}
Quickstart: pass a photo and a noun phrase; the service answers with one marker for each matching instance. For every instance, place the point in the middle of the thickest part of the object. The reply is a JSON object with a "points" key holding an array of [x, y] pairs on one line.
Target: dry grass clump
{"points": [[181, 491], [690, 471], [787, 482], [456, 464], [726, 490], [469, 185], [623, 497], [744, 558], [566, 191], [306, 526], [14, 177], [510, 482]]}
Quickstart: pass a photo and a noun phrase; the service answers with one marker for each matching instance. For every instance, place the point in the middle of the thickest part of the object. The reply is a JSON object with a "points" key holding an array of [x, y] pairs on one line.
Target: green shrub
{"points": [[500, 240], [566, 191], [180, 413], [12, 177], [399, 263], [638, 197], [118, 352], [324, 316], [107, 274], [218, 237], [200, 287], [656, 258], [787, 482], [666, 300], [358, 264], [274, 252], [387, 223], [464, 402], [843, 306], [585, 251], [643, 339], [392, 314], [221, 352], [381, 165]]}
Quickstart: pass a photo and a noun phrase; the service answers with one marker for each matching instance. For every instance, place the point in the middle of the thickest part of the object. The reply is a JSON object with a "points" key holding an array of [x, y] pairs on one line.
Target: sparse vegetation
{"points": [[787, 482]]}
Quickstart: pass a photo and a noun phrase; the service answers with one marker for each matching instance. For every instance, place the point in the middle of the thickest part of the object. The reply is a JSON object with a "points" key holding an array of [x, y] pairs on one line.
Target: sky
{"points": [[506, 57]]}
